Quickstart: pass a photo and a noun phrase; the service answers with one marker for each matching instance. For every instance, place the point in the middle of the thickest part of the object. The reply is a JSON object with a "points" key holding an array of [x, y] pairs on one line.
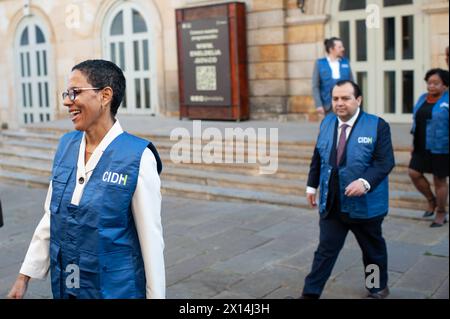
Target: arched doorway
{"points": [[33, 52], [128, 42]]}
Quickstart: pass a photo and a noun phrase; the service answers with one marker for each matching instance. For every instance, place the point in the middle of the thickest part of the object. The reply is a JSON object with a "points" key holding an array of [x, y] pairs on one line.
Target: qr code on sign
{"points": [[206, 78]]}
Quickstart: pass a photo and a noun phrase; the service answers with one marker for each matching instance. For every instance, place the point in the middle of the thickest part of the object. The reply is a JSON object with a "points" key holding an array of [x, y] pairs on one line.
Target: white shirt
{"points": [[350, 123], [335, 68], [145, 206]]}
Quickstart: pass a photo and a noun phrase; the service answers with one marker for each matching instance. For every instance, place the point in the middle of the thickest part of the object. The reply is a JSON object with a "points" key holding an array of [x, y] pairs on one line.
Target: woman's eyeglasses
{"points": [[72, 93]]}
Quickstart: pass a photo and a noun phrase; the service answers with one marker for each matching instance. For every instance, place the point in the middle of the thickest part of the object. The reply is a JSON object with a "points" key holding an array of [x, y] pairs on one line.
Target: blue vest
{"points": [[436, 140], [359, 150], [98, 236], [326, 78]]}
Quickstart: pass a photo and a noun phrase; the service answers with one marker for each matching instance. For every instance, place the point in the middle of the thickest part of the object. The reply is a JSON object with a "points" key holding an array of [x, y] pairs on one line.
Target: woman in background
{"points": [[430, 148]]}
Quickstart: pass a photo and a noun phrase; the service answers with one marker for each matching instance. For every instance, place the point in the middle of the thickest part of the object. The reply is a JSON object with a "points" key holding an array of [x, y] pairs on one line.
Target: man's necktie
{"points": [[341, 144]]}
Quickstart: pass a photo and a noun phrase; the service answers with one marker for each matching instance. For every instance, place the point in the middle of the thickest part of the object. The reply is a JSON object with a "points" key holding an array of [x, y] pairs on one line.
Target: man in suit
{"points": [[351, 162]]}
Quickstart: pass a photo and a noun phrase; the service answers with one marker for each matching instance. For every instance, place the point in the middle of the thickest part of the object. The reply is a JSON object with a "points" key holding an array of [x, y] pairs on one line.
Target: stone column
{"points": [[305, 36], [267, 59], [438, 27]]}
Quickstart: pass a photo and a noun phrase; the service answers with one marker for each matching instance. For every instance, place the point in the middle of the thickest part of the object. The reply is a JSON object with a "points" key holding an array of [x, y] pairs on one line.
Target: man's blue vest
{"points": [[359, 151], [436, 140], [98, 237], [326, 78]]}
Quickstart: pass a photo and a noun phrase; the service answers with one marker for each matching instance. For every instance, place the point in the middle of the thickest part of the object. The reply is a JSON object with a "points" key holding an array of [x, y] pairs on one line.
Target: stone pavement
{"points": [[236, 250]]}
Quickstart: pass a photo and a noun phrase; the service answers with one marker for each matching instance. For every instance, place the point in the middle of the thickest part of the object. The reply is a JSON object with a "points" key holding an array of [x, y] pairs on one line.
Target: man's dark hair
{"points": [[443, 74], [330, 43], [356, 89], [100, 74]]}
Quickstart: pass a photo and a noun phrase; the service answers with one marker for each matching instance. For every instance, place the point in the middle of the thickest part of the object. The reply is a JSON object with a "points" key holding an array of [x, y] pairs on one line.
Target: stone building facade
{"points": [[391, 45]]}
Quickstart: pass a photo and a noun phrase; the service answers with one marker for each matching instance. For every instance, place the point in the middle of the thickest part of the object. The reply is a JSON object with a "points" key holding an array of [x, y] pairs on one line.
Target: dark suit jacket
{"points": [[382, 165]]}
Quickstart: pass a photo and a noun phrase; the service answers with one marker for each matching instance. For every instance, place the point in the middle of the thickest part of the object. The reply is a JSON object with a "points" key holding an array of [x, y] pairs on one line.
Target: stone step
{"points": [[286, 169], [26, 156], [44, 154], [210, 192], [255, 183], [24, 179], [220, 189], [29, 136], [58, 132], [30, 139], [293, 152], [31, 167], [27, 145], [263, 183], [230, 194], [213, 193], [300, 158], [55, 133], [40, 164]]}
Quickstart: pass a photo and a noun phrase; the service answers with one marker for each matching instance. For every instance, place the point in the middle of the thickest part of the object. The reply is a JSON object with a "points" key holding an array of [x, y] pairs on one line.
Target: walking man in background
{"points": [[327, 72], [351, 162]]}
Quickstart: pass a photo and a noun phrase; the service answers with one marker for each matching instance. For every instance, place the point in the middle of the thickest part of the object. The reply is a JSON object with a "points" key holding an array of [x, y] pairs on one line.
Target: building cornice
{"points": [[434, 8], [306, 19]]}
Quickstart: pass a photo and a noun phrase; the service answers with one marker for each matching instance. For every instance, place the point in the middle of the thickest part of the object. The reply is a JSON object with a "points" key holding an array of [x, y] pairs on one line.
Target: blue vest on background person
{"points": [[99, 235], [359, 150], [436, 140], [326, 78]]}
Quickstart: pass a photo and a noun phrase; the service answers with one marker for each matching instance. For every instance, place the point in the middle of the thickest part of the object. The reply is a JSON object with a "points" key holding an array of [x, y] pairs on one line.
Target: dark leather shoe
{"points": [[379, 294], [427, 214], [434, 224]]}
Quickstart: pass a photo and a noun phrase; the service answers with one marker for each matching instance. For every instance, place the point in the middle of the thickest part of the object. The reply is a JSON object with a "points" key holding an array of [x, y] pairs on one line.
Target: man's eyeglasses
{"points": [[72, 93]]}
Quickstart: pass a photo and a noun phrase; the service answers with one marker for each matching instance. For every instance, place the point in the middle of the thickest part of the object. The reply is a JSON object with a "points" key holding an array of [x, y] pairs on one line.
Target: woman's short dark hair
{"points": [[443, 74], [330, 43], [100, 74]]}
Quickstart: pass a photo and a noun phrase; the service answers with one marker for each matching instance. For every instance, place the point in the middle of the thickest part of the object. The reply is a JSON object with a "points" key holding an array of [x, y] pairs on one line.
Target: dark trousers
{"points": [[333, 231]]}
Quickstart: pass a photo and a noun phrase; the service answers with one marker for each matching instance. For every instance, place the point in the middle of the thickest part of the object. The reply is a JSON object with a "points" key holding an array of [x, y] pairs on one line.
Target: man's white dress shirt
{"points": [[350, 123], [146, 208], [335, 68]]}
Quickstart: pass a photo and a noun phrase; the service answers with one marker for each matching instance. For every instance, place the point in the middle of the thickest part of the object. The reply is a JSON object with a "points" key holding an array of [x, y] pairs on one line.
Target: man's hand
{"points": [[19, 288], [355, 189], [320, 111], [311, 198]]}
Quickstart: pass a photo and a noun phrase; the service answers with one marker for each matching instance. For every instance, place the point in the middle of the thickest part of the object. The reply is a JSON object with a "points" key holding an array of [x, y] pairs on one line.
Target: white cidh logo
{"points": [[252, 146], [115, 178], [365, 140]]}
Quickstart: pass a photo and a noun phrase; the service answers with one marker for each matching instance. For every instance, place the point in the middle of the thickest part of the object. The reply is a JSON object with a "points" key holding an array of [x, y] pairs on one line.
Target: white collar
{"points": [[113, 132], [350, 122], [338, 60]]}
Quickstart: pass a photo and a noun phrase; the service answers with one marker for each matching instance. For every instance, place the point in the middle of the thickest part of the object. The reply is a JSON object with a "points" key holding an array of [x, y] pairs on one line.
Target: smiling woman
{"points": [[102, 216]]}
